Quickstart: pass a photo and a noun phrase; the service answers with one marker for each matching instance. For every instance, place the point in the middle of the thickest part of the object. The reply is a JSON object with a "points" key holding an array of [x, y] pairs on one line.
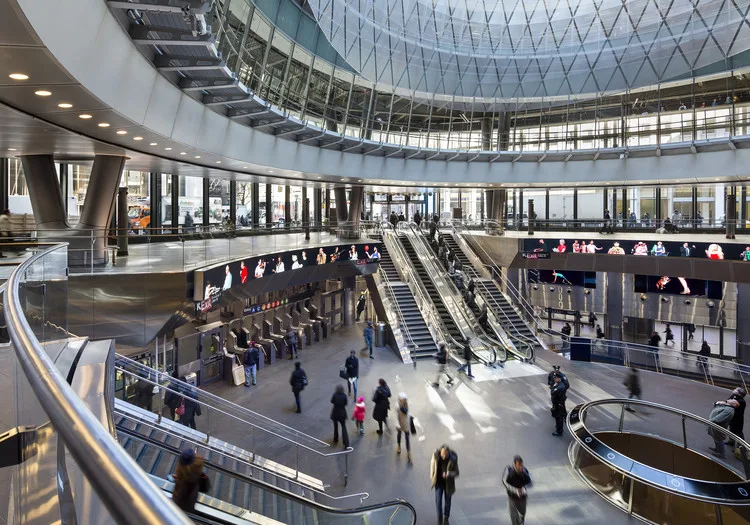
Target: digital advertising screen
{"points": [[567, 278], [652, 248], [666, 284], [221, 278]]}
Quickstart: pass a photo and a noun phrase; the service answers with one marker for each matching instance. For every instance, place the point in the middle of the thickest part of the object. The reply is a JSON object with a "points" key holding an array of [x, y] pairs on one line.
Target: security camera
{"points": [[710, 304], [687, 301], [643, 297]]}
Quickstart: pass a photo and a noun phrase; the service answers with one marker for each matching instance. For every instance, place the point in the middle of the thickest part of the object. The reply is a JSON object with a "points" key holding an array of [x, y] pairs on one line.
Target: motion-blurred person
{"points": [[517, 480], [558, 397], [721, 415], [404, 425], [467, 358], [292, 339], [361, 302], [592, 319], [192, 409], [144, 392], [668, 335], [737, 424], [5, 234], [172, 398], [442, 360], [369, 333], [352, 372], [599, 332], [189, 480], [704, 353], [443, 474], [566, 330], [382, 404], [633, 384], [298, 382], [338, 415]]}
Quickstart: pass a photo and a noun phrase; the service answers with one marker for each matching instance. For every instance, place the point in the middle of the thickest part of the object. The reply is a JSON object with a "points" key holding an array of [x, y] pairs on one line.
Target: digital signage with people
{"points": [[666, 284], [223, 277], [652, 248], [567, 278]]}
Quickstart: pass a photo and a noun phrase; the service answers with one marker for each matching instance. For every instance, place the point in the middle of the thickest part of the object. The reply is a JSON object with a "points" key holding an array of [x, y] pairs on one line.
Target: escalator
{"points": [[253, 490]]}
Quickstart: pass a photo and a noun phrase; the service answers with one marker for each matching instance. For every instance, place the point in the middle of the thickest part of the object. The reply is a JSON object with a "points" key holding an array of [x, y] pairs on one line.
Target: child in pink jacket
{"points": [[359, 414]]}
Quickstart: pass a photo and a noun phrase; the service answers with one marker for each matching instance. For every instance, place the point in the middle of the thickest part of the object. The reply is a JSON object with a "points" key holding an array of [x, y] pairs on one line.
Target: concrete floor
{"points": [[486, 421]]}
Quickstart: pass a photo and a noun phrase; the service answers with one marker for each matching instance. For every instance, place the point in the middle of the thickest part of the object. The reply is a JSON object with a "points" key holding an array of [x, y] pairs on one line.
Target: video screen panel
{"points": [[665, 284], [567, 278], [223, 277], [657, 248]]}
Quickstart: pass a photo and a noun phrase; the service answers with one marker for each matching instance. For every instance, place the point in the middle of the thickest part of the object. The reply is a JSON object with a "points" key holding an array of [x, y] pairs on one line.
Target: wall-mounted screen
{"points": [[657, 248], [566, 278], [666, 284]]}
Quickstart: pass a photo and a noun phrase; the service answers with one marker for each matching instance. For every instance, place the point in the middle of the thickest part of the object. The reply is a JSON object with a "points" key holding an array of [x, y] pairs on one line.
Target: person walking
{"points": [[558, 397], [298, 381], [144, 392], [704, 353], [737, 424], [338, 416], [442, 360], [633, 384], [721, 415], [369, 334], [359, 414], [592, 319], [404, 425], [668, 335], [252, 358], [443, 474], [382, 404], [517, 481], [189, 480], [352, 372], [292, 339], [607, 224], [172, 398], [192, 409], [467, 358], [566, 331], [361, 302]]}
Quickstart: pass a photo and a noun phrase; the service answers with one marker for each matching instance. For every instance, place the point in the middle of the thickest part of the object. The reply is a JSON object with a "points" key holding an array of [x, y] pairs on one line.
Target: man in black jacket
{"points": [[442, 360], [558, 397], [737, 425], [516, 480], [352, 372], [298, 381], [338, 416], [252, 357]]}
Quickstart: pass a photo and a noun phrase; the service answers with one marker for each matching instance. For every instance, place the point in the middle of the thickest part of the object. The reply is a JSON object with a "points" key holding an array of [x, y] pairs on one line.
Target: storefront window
{"points": [[277, 204], [218, 201], [296, 204], [262, 204], [560, 205], [677, 204], [190, 201], [711, 205], [78, 183], [643, 203], [244, 204], [166, 200], [139, 205]]}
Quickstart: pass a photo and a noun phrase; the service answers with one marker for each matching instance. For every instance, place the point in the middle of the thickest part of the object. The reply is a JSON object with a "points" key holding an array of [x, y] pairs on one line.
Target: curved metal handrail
{"points": [[471, 322], [615, 460], [121, 484]]}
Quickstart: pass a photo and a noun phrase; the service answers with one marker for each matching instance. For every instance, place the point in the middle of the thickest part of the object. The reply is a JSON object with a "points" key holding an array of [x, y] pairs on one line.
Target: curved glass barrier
{"points": [[662, 473]]}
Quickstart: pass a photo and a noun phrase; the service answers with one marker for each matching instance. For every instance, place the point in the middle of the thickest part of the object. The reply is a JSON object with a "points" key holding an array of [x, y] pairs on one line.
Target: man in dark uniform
{"points": [[551, 377], [737, 424], [558, 397]]}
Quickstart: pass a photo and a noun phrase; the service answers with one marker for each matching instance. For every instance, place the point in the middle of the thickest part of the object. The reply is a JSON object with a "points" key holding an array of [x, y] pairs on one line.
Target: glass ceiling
{"points": [[511, 48]]}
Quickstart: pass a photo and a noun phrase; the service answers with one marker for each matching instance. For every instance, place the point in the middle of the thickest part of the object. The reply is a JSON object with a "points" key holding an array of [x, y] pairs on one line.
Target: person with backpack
{"points": [[404, 425], [633, 384], [352, 372], [292, 339], [517, 480], [369, 334], [721, 415], [298, 382], [252, 358], [359, 414], [382, 404], [338, 416]]}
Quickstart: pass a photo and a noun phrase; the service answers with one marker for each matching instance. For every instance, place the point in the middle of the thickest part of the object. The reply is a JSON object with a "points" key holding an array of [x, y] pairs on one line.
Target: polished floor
{"points": [[487, 421]]}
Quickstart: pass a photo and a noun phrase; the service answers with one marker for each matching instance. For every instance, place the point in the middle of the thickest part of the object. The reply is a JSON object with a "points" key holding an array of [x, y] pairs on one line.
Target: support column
{"points": [[318, 206], [487, 134], [503, 130], [4, 183], [287, 206], [122, 221], [255, 207], [206, 205], [614, 306], [269, 206], [174, 198], [233, 201], [743, 323], [44, 193], [349, 284], [154, 184], [63, 188], [731, 215], [339, 195]]}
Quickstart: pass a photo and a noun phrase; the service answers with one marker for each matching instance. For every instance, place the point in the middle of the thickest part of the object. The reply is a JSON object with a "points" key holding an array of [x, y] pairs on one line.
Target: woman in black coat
{"points": [[382, 405], [192, 409], [172, 399], [338, 415]]}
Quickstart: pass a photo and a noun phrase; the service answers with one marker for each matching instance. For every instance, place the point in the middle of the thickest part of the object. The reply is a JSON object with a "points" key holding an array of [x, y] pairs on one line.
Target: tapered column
{"points": [[44, 193]]}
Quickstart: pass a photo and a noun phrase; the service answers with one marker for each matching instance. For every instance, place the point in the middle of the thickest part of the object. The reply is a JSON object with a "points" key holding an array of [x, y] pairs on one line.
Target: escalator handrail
{"points": [[421, 293], [470, 319], [123, 487], [273, 488], [361, 495]]}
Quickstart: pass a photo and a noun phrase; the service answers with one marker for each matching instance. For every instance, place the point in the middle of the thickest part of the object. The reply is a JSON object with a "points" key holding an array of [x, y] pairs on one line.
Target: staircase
{"points": [[467, 267], [432, 292], [415, 323]]}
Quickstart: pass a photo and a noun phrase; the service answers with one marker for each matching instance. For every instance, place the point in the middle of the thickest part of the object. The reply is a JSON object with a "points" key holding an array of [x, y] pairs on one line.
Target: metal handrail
{"points": [[399, 503], [590, 443], [471, 322], [120, 483]]}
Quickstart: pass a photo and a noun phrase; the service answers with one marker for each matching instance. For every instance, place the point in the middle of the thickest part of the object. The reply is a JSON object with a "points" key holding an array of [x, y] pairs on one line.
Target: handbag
{"points": [[412, 427], [180, 410], [204, 485], [343, 374]]}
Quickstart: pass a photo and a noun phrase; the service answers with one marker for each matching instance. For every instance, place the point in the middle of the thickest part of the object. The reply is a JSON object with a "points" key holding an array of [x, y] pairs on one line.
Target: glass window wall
{"points": [[540, 202], [190, 201], [590, 203], [139, 204], [218, 201], [244, 204], [560, 206], [642, 202], [296, 205], [277, 204], [166, 200], [18, 192], [677, 204], [261, 204]]}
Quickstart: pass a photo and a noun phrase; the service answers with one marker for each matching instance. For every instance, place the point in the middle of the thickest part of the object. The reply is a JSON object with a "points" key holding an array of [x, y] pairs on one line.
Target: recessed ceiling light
{"points": [[167, 149], [343, 180], [320, 177], [84, 116], [183, 153], [18, 76], [137, 138], [43, 93], [122, 132], [65, 105], [11, 149], [197, 156], [244, 167], [218, 162], [270, 171], [360, 180], [153, 144], [103, 124]]}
